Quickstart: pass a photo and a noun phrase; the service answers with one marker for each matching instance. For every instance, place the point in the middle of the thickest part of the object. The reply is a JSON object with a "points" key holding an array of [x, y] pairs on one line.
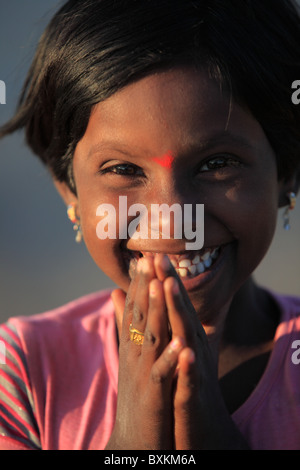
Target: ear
{"points": [[291, 184], [65, 192]]}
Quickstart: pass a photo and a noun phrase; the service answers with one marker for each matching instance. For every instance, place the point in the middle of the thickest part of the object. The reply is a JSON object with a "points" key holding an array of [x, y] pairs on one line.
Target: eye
{"points": [[218, 163], [123, 169]]}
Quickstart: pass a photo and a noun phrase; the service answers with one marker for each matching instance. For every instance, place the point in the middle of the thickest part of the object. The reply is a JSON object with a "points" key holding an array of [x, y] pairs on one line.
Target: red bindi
{"points": [[165, 161]]}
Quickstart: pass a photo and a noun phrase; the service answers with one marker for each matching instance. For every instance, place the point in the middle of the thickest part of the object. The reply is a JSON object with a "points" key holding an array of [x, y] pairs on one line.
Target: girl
{"points": [[182, 102]]}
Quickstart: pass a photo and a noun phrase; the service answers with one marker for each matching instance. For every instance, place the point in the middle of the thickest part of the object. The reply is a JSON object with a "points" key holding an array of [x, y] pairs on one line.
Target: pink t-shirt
{"points": [[58, 380], [270, 418]]}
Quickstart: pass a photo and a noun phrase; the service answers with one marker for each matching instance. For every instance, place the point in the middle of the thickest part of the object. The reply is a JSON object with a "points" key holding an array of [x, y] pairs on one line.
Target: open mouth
{"points": [[188, 265]]}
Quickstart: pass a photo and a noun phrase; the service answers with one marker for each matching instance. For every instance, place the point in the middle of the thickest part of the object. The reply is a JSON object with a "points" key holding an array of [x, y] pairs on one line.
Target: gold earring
{"points": [[72, 215], [286, 215]]}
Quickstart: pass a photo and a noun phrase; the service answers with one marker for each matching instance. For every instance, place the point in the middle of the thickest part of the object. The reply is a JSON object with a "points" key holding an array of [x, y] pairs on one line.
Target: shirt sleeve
{"points": [[18, 426]]}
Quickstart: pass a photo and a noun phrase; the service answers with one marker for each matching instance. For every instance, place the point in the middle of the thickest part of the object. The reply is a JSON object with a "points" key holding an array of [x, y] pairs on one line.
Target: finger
{"points": [[157, 326], [186, 409], [180, 312], [186, 379], [165, 269], [129, 303], [146, 273], [186, 361], [165, 366]]}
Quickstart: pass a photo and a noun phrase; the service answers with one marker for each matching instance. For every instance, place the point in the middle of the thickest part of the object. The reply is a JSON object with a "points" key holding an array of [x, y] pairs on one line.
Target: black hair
{"points": [[93, 48]]}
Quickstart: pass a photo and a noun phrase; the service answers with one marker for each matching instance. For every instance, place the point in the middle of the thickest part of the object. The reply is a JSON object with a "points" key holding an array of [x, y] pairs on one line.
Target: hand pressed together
{"points": [[168, 392]]}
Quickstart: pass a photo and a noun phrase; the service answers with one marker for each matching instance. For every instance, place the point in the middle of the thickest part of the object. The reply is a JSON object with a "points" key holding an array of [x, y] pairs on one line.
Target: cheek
{"points": [[106, 253], [257, 230], [245, 212], [255, 216], [99, 249]]}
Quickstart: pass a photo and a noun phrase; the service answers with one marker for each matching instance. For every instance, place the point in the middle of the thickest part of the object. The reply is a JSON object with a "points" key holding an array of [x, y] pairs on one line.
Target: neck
{"points": [[248, 323], [252, 317], [248, 336]]}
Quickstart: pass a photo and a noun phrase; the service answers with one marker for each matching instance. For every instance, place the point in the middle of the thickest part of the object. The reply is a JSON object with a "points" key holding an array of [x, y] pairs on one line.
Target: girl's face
{"points": [[174, 137]]}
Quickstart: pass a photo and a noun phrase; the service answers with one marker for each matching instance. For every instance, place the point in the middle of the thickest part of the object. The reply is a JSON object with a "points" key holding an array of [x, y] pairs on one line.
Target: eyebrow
{"points": [[222, 138], [193, 146], [112, 145]]}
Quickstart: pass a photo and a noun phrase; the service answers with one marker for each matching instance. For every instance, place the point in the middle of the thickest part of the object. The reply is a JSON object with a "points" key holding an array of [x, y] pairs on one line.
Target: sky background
{"points": [[41, 266]]}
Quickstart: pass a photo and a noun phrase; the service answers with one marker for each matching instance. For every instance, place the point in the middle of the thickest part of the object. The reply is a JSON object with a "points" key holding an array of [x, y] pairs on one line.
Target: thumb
{"points": [[118, 297]]}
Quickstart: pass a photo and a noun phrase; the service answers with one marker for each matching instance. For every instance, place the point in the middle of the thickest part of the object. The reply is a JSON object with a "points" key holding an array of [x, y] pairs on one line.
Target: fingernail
{"points": [[154, 287], [152, 291], [191, 357], [176, 344], [145, 266]]}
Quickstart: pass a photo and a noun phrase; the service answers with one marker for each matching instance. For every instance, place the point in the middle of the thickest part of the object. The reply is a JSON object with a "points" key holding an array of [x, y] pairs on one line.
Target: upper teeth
{"points": [[190, 263], [184, 263], [198, 264]]}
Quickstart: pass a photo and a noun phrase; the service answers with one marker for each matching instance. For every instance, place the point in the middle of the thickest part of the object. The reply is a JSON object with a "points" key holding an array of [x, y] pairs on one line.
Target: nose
{"points": [[170, 219]]}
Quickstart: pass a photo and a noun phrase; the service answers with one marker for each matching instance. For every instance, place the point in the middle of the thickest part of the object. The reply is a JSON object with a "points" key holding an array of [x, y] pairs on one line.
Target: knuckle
{"points": [[156, 377], [137, 314], [169, 359], [184, 399], [129, 303], [150, 338]]}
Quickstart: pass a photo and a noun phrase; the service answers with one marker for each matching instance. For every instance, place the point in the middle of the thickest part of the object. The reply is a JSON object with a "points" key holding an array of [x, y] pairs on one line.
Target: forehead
{"points": [[166, 111], [164, 96]]}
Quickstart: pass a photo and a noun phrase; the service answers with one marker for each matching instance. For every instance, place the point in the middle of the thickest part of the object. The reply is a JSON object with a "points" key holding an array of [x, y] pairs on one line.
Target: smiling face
{"points": [[173, 137]]}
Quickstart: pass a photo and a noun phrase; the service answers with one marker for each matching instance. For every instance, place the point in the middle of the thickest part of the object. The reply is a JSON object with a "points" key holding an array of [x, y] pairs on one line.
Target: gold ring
{"points": [[136, 336]]}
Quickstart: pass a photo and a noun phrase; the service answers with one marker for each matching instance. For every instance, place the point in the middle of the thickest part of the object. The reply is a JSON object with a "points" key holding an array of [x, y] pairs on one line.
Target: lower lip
{"points": [[203, 278]]}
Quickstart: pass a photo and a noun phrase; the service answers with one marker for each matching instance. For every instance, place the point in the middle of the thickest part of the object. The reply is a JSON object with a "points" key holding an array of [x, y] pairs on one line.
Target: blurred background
{"points": [[41, 266]]}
